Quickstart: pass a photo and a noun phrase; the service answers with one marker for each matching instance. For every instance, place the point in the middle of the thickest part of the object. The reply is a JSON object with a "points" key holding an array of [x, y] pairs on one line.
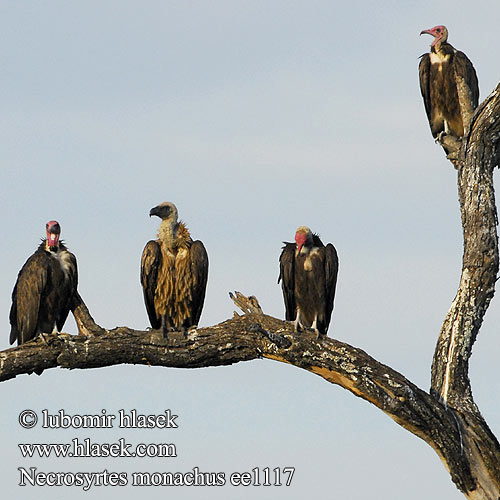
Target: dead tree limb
{"points": [[480, 154], [254, 336], [84, 321], [477, 159]]}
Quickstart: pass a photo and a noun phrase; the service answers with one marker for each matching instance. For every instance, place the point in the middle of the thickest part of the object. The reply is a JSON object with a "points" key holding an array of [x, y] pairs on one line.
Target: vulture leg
{"points": [[167, 326], [296, 323], [314, 326], [164, 326]]}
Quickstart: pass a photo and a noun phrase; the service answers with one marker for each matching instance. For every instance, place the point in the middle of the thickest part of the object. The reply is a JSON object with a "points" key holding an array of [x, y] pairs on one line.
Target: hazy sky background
{"points": [[254, 117]]}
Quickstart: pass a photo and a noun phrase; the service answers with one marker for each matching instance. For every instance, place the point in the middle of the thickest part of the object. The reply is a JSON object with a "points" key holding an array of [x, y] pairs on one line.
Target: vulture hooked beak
{"points": [[300, 239], [163, 211], [53, 232], [154, 211], [439, 33]]}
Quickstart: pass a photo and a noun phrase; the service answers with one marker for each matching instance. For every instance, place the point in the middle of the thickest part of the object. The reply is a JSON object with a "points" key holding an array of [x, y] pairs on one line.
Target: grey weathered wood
{"points": [[253, 336], [479, 155]]}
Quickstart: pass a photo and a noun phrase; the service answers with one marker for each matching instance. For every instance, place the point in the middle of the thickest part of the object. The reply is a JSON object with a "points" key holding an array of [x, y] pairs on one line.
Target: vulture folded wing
{"points": [[199, 269], [26, 297], [73, 271], [14, 332], [70, 291], [150, 265], [467, 83], [331, 272], [287, 277], [423, 71]]}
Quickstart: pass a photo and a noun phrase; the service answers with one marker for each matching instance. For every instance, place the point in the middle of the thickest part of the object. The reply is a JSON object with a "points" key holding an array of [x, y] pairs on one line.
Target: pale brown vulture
{"points": [[45, 287], [449, 86], [308, 274], [174, 272]]}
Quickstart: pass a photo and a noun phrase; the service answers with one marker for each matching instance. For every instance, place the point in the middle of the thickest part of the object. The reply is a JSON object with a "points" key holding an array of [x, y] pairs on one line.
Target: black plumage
{"points": [[308, 275], [449, 86], [45, 287]]}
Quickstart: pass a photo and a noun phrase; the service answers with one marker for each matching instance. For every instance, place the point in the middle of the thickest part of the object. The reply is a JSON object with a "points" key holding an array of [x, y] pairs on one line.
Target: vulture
{"points": [[174, 272], [308, 275], [449, 86], [44, 290]]}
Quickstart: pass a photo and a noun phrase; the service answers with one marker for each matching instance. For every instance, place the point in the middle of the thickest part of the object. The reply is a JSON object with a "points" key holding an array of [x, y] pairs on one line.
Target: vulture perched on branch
{"points": [[174, 272], [44, 290], [308, 274], [449, 86]]}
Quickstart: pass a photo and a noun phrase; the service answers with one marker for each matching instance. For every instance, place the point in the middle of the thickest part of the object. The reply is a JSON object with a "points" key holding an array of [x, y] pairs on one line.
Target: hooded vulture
{"points": [[308, 274], [44, 290], [449, 86], [174, 272]]}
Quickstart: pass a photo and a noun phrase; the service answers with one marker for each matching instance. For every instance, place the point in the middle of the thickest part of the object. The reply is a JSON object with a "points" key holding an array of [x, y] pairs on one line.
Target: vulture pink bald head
{"points": [[440, 34], [302, 235], [53, 232]]}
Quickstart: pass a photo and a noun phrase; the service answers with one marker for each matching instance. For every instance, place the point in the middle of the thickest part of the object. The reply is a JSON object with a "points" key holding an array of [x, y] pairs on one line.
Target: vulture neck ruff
{"points": [[167, 233], [61, 253]]}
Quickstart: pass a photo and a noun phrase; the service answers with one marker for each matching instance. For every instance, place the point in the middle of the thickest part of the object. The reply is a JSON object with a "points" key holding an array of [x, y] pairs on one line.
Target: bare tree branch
{"points": [[84, 321], [253, 336], [479, 156]]}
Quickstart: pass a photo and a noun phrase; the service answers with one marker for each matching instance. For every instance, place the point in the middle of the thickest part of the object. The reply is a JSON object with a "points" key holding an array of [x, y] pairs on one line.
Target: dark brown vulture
{"points": [[174, 272], [45, 287], [449, 86], [308, 274]]}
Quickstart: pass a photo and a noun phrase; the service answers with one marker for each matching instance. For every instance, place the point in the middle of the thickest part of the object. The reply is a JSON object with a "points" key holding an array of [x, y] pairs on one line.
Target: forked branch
{"points": [[251, 336]]}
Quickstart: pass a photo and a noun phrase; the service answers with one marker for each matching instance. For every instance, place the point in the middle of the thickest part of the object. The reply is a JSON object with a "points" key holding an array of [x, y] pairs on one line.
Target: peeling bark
{"points": [[477, 159], [254, 336], [479, 156]]}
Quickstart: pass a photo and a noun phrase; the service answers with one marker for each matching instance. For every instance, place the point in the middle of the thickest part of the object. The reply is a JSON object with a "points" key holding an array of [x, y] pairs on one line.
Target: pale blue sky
{"points": [[254, 118]]}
